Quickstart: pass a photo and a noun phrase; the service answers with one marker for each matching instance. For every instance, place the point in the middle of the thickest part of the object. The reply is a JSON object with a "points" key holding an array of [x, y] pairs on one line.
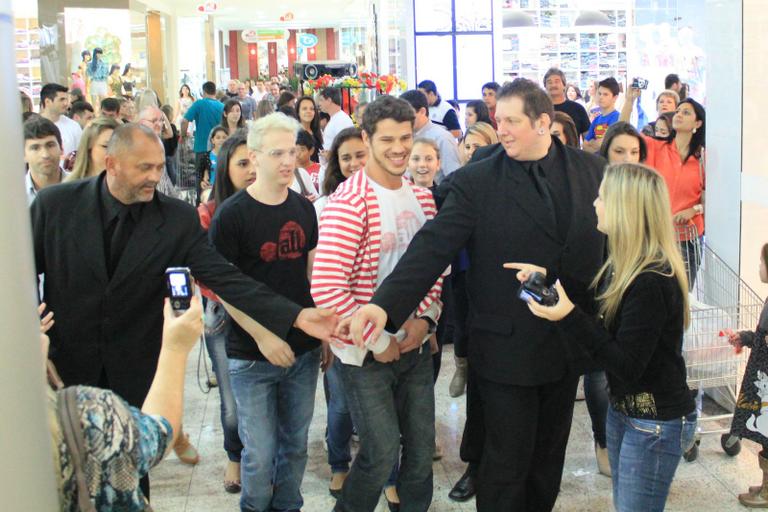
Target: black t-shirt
{"points": [[577, 113], [271, 244]]}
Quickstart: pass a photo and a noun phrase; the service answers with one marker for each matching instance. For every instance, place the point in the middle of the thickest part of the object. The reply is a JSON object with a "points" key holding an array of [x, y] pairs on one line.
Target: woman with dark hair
{"points": [[347, 155], [186, 98], [286, 98], [662, 128], [680, 160], [98, 73], [573, 93], [232, 117], [310, 121], [622, 143], [82, 71], [476, 111], [114, 82], [288, 111], [564, 129], [234, 172], [128, 81]]}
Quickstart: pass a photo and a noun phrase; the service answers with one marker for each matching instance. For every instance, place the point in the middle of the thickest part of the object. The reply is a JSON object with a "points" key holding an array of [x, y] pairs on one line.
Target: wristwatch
{"points": [[432, 325]]}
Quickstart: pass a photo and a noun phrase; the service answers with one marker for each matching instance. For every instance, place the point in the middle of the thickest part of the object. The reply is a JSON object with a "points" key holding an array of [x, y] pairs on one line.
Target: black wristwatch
{"points": [[432, 325]]}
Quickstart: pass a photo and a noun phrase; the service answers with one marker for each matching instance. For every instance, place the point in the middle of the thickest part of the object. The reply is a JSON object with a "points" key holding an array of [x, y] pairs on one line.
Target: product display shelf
{"points": [[27, 41]]}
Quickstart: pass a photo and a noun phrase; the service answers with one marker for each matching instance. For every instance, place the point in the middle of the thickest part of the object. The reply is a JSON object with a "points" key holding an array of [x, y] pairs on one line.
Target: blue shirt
{"points": [[600, 125], [206, 113], [212, 173]]}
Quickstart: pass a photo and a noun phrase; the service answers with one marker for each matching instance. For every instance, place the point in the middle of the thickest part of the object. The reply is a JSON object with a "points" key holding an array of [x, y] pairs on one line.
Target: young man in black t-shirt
{"points": [[270, 232], [555, 84]]}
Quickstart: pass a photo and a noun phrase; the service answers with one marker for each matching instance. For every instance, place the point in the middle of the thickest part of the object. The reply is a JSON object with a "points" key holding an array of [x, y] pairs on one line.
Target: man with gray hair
{"points": [[103, 245], [273, 381], [154, 119]]}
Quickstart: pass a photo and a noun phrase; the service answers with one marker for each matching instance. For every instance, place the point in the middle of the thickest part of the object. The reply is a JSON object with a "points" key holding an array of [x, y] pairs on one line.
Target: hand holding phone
{"points": [[181, 288]]}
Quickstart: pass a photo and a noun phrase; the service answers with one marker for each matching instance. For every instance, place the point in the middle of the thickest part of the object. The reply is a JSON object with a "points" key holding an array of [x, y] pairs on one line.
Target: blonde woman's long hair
{"points": [[638, 222], [81, 167]]}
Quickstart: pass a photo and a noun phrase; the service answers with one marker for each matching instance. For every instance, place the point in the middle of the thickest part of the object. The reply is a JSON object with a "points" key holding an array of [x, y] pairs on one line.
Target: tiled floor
{"points": [[711, 483]]}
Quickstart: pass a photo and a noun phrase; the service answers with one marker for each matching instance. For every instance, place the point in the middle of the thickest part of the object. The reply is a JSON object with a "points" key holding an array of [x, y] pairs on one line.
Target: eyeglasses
{"points": [[279, 154]]}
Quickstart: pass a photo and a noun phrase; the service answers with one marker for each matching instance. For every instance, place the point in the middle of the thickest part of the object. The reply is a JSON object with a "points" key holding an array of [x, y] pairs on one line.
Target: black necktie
{"points": [[542, 186], [120, 236]]}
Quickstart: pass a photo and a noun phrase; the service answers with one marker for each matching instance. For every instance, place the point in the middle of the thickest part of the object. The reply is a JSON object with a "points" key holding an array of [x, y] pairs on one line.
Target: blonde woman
{"points": [[642, 298], [92, 150], [478, 135]]}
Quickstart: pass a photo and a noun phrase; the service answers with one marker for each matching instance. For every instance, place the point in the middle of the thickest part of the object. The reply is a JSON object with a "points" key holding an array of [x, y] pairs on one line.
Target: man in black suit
{"points": [[530, 199], [103, 245]]}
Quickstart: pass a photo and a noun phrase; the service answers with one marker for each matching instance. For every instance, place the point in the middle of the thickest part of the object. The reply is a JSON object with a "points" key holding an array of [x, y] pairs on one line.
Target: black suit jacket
{"points": [[499, 217], [115, 325]]}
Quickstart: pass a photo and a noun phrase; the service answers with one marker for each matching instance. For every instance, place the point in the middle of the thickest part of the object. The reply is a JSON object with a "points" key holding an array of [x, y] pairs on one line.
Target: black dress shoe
{"points": [[393, 507], [464, 489]]}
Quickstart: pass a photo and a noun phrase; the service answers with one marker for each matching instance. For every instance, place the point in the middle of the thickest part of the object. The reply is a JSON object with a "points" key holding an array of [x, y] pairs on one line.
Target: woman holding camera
{"points": [[642, 294]]}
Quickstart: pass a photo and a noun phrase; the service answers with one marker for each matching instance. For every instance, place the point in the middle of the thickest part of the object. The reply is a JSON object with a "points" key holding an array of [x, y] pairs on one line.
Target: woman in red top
{"points": [[234, 172], [680, 160]]}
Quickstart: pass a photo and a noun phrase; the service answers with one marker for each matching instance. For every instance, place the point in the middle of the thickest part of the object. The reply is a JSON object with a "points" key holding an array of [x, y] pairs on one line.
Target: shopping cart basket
{"points": [[719, 300]]}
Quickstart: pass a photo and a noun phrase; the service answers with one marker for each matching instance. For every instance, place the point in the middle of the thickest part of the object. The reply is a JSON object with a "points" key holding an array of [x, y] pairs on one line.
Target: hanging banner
{"points": [[265, 35]]}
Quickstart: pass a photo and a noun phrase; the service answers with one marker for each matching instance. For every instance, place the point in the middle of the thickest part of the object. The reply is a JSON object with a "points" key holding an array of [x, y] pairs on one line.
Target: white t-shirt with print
{"points": [[401, 217]]}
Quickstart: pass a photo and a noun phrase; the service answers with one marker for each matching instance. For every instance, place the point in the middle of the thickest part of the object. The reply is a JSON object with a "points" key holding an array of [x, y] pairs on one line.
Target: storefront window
{"points": [[433, 15]]}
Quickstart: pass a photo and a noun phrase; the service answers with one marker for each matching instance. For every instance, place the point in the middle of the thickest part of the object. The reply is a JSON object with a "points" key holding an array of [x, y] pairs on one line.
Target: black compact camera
{"points": [[535, 287], [639, 83], [181, 288]]}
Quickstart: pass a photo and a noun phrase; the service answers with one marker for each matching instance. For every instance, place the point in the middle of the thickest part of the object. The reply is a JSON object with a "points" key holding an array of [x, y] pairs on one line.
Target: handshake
{"points": [[353, 327]]}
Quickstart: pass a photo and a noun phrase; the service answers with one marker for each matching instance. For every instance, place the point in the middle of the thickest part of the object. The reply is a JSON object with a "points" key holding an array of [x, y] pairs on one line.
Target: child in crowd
{"points": [[607, 92], [305, 149], [424, 162], [748, 419], [217, 138]]}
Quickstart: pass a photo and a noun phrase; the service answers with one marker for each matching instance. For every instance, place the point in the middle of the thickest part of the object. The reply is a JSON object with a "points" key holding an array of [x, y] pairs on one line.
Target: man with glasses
{"points": [[154, 119], [273, 381]]}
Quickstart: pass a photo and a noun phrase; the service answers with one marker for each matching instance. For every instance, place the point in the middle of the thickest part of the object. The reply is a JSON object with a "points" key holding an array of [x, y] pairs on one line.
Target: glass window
{"points": [[433, 57], [473, 15], [474, 64], [432, 15]]}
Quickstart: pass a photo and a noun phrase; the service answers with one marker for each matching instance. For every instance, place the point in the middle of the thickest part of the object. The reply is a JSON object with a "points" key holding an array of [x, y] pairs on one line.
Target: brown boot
{"points": [[758, 499]]}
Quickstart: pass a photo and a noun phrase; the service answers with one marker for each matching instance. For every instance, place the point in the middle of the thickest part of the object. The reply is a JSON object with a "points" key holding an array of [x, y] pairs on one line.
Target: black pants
{"points": [[527, 430], [445, 326], [460, 313], [473, 438], [200, 159]]}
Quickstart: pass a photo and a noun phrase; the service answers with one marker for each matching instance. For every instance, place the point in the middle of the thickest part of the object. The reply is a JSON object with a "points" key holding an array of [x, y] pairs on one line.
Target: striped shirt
{"points": [[345, 272]]}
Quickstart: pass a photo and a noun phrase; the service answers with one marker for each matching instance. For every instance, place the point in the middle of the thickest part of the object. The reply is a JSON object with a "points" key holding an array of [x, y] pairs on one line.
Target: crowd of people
{"points": [[358, 245]]}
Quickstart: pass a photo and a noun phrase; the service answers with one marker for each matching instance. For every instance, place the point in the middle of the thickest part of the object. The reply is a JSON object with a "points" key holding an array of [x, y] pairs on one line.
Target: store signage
{"points": [[307, 40], [207, 7], [264, 35]]}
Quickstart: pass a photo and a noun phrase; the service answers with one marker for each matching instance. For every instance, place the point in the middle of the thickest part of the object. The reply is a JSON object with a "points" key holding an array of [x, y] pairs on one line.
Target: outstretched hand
{"points": [[525, 270], [317, 322], [553, 313], [353, 326]]}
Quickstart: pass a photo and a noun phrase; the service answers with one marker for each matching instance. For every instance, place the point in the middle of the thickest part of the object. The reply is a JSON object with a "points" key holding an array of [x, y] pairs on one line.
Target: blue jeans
{"points": [[644, 455], [596, 395], [274, 406], [388, 401], [217, 326], [339, 422]]}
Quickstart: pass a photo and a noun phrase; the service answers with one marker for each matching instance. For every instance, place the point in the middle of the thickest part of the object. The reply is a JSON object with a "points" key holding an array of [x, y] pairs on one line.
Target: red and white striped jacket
{"points": [[345, 272]]}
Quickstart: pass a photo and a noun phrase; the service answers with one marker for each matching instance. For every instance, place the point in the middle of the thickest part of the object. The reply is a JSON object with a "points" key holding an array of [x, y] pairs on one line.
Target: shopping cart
{"points": [[186, 176], [719, 300]]}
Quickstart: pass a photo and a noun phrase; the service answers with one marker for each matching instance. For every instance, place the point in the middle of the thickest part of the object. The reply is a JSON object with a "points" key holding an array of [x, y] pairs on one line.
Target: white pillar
{"points": [[26, 466]]}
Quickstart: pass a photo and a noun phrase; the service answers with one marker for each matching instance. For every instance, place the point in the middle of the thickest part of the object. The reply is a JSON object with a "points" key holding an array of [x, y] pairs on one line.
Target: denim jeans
{"points": [[596, 395], [339, 427], [274, 408], [644, 455], [217, 325], [388, 401]]}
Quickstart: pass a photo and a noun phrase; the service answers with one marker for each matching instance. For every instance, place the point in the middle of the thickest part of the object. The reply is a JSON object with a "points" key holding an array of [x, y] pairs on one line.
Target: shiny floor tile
{"points": [[709, 484]]}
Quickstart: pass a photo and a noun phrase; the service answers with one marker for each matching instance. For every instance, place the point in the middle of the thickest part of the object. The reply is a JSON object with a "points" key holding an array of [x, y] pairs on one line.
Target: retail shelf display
{"points": [[584, 53], [27, 42]]}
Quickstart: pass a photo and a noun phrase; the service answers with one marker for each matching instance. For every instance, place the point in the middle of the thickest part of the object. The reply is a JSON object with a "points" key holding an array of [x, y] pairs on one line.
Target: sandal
{"points": [[184, 450], [232, 482]]}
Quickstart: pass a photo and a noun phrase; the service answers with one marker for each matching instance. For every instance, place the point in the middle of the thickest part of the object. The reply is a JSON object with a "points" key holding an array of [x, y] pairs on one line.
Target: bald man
{"points": [[103, 245]]}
